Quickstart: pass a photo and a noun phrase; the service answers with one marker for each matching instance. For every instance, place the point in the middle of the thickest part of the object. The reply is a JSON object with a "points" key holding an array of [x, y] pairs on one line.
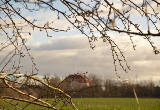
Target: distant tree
{"points": [[54, 80], [95, 80], [111, 88], [126, 89], [157, 91], [2, 87], [151, 88], [96, 86]]}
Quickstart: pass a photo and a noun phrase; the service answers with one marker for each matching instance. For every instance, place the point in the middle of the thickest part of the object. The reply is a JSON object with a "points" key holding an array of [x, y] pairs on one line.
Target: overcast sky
{"points": [[67, 53]]}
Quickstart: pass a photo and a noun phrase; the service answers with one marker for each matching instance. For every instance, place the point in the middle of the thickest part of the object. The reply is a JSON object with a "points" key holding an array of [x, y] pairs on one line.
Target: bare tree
{"points": [[26, 85], [96, 86], [55, 80], [95, 19]]}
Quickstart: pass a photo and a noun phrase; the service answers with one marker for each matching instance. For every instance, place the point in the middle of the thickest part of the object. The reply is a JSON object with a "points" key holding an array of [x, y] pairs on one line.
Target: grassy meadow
{"points": [[117, 104], [98, 104]]}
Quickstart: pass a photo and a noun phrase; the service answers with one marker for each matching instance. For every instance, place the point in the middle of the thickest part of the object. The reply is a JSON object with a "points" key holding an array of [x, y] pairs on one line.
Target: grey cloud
{"points": [[70, 64], [68, 60], [70, 55], [64, 44]]}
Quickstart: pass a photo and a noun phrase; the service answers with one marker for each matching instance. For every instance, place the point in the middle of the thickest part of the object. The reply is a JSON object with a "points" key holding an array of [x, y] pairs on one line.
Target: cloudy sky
{"points": [[67, 53]]}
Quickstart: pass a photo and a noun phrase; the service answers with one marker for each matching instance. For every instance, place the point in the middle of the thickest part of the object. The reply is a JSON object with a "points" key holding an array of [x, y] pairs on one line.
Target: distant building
{"points": [[75, 82]]}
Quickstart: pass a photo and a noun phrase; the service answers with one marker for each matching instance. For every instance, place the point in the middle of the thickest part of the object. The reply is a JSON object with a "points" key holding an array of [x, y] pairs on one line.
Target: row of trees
{"points": [[98, 88], [125, 89], [119, 88]]}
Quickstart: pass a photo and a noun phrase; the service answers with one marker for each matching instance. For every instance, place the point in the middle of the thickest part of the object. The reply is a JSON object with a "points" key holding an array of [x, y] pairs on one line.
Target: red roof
{"points": [[81, 78]]}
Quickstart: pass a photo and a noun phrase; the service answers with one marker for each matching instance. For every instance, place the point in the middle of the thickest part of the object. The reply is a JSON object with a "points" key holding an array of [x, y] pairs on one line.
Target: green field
{"points": [[101, 104], [117, 104]]}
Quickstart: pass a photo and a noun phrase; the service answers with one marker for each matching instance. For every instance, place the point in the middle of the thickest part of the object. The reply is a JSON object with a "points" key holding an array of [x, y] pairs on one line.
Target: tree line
{"points": [[98, 88], [111, 87]]}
